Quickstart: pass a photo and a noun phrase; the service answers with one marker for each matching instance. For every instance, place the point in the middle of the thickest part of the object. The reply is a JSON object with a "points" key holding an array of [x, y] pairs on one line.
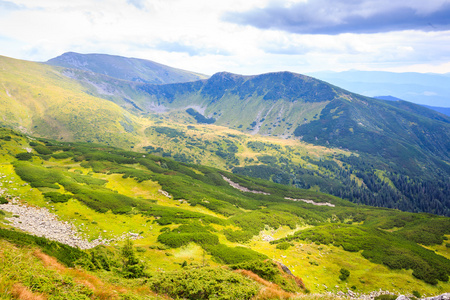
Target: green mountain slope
{"points": [[399, 150], [187, 216], [131, 69], [40, 100], [406, 143]]}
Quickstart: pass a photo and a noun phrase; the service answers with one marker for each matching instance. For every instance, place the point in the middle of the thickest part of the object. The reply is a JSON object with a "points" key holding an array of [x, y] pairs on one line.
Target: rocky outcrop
{"points": [[40, 222], [311, 202], [242, 188]]}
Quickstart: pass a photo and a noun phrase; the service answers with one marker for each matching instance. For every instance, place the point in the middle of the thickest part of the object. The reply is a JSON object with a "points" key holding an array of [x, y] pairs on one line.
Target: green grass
{"points": [[208, 222]]}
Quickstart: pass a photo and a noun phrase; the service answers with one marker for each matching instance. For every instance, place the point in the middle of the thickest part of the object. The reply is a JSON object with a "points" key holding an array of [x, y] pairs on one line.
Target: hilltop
{"points": [[131, 69]]}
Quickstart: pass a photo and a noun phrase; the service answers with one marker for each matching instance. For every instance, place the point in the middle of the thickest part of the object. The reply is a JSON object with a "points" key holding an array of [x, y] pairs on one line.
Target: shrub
{"points": [[234, 255], [24, 156], [131, 267], [42, 150], [176, 240], [62, 155], [204, 283], [416, 294], [344, 274], [237, 236], [3, 200], [283, 246], [57, 197]]}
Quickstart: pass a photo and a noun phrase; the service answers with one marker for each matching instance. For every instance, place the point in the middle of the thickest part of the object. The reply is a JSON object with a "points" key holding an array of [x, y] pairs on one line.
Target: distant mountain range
{"points": [[427, 89], [442, 110], [131, 69]]}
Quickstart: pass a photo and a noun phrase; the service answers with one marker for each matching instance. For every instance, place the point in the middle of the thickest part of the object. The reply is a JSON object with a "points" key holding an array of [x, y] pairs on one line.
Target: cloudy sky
{"points": [[240, 36]]}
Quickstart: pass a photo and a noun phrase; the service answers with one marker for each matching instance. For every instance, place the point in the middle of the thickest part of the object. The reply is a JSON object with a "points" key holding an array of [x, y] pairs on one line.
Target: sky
{"points": [[239, 36]]}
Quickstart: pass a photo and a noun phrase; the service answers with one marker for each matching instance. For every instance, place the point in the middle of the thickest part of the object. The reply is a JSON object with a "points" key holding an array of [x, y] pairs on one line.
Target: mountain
{"points": [[421, 88], [393, 154], [140, 226], [388, 98], [131, 69], [398, 139], [287, 104], [442, 110]]}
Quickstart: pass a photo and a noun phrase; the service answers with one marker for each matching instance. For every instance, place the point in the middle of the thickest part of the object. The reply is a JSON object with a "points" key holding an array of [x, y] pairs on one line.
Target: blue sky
{"points": [[245, 37]]}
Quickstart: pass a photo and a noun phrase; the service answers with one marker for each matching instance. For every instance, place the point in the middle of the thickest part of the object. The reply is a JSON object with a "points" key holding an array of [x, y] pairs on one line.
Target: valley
{"points": [[273, 186]]}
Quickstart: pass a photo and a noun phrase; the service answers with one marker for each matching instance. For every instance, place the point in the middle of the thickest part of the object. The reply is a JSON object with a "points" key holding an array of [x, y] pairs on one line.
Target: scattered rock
{"points": [[242, 188], [41, 222], [445, 296], [311, 202]]}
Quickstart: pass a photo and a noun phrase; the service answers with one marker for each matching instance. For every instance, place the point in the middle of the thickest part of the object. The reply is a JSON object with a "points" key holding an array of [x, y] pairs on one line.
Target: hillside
{"points": [[130, 69], [188, 220], [398, 144], [39, 100], [397, 158]]}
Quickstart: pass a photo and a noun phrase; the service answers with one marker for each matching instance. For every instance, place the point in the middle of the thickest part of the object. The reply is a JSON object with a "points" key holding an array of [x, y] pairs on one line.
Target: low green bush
{"points": [[238, 236], [57, 197], [24, 156], [344, 274], [283, 246], [42, 150], [229, 255], [204, 283]]}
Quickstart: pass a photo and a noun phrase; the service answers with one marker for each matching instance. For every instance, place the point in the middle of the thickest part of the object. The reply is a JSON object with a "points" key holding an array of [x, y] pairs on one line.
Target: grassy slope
{"points": [[365, 276], [39, 100]]}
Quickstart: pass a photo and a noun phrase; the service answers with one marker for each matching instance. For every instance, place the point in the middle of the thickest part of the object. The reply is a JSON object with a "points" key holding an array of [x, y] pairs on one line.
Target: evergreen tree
{"points": [[131, 267]]}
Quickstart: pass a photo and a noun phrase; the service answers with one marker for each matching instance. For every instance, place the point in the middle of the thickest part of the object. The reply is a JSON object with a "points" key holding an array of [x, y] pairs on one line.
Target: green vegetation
{"points": [[344, 274], [189, 217], [131, 266], [65, 254], [57, 197], [392, 250], [283, 246], [270, 271], [386, 297], [205, 283], [199, 117]]}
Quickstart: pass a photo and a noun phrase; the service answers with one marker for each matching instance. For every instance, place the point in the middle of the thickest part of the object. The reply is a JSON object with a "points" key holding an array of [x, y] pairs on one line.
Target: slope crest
{"points": [[131, 69]]}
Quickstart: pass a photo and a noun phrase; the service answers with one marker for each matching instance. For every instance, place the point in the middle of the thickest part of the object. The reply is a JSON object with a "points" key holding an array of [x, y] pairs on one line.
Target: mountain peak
{"points": [[131, 69]]}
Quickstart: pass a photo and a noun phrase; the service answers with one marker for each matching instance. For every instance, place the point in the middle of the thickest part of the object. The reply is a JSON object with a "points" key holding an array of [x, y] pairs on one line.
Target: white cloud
{"points": [[191, 34]]}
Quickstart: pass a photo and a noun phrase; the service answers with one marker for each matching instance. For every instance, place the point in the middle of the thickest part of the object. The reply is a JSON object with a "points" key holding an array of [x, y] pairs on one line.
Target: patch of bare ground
{"points": [[270, 289], [23, 293]]}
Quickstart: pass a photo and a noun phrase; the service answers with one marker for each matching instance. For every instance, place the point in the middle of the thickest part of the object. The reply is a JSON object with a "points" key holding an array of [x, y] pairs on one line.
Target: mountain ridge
{"points": [[391, 144], [131, 69]]}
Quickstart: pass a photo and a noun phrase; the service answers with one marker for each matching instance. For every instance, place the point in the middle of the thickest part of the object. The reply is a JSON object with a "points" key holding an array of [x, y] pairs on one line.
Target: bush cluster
{"points": [[204, 283]]}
